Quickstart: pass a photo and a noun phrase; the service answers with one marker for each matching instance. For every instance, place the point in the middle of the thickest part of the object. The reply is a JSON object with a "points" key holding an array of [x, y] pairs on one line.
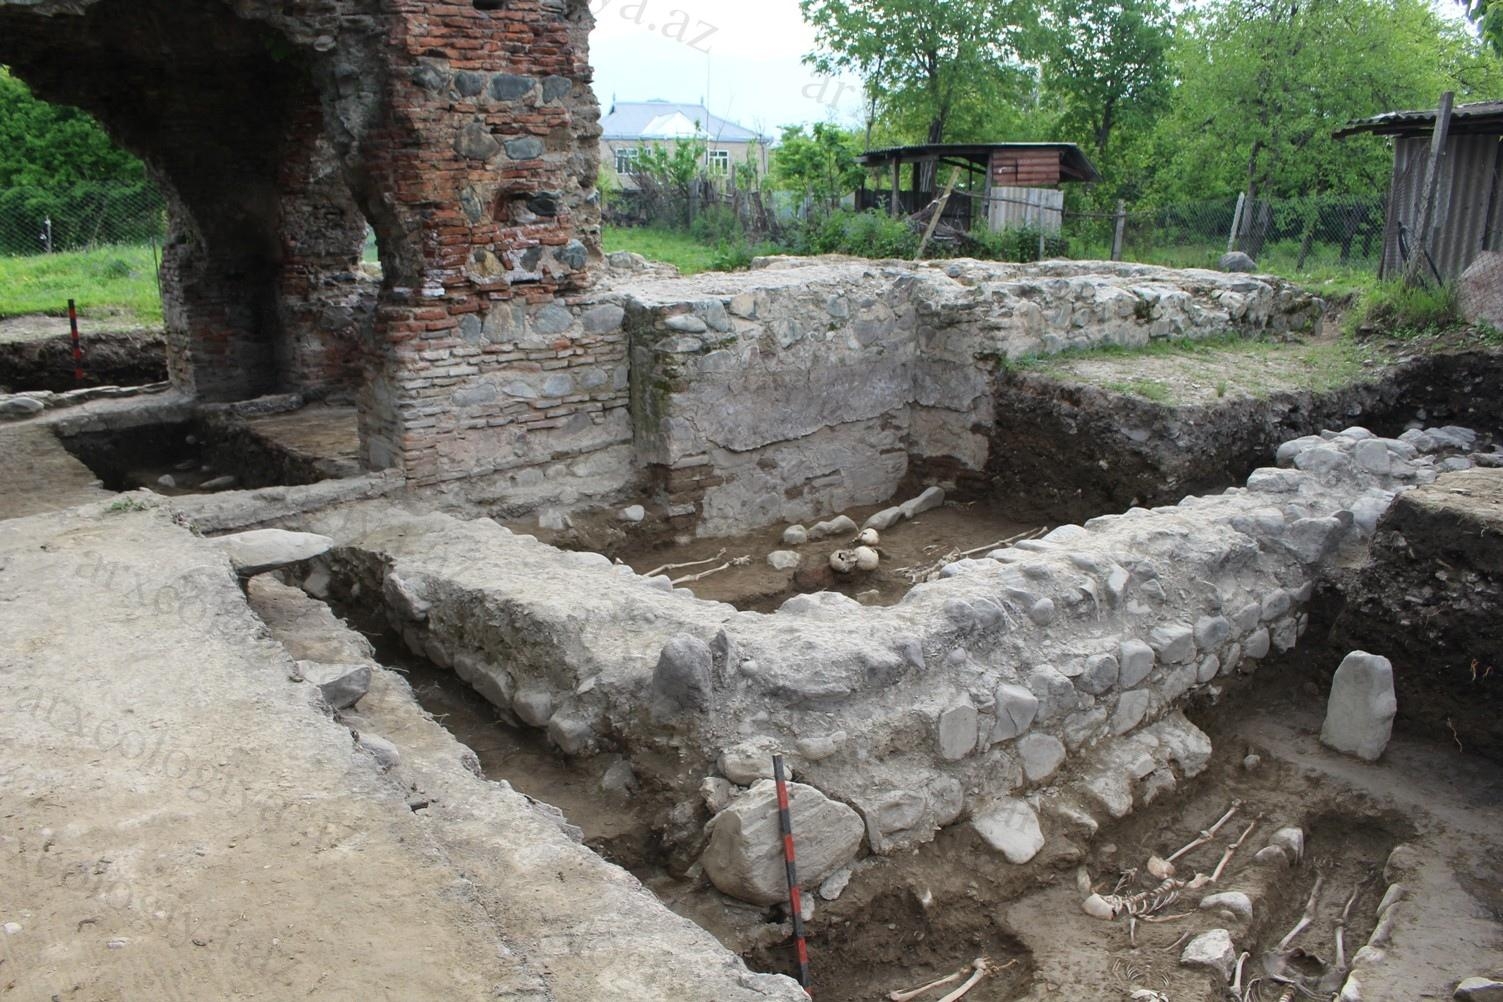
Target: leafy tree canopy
{"points": [[1264, 83], [51, 147], [923, 56]]}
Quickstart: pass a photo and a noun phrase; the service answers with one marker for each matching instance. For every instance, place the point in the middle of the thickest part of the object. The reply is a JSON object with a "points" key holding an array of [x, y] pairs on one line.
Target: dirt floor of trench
{"points": [[906, 549]]}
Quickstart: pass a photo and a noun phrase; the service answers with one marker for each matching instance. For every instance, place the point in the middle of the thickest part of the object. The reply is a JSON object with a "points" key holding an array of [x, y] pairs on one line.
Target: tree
{"points": [[820, 165], [1264, 83], [928, 53], [1488, 15], [63, 184], [667, 176], [50, 146], [1107, 62]]}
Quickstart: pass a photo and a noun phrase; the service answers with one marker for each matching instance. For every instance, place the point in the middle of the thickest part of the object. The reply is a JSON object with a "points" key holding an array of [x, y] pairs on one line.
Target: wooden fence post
{"points": [[1121, 226], [1414, 268], [1231, 238]]}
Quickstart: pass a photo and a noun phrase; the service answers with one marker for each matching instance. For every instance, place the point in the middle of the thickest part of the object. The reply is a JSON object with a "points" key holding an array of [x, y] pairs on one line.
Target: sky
{"points": [[744, 57]]}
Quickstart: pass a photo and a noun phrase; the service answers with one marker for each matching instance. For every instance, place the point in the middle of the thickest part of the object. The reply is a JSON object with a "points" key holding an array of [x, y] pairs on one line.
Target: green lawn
{"points": [[670, 246], [117, 278]]}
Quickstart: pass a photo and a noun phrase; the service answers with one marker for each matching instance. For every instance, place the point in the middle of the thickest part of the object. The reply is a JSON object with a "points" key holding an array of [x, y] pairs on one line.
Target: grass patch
{"points": [[1184, 371], [115, 279], [1148, 389], [1394, 309], [674, 247]]}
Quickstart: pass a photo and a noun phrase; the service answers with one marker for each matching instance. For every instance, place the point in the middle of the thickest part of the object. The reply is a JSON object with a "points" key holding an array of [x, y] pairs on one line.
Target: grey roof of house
{"points": [[1484, 117], [631, 119]]}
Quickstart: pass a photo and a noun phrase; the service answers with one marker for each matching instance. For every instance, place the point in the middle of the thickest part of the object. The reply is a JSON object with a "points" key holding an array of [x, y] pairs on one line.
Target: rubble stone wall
{"points": [[805, 387], [1048, 675]]}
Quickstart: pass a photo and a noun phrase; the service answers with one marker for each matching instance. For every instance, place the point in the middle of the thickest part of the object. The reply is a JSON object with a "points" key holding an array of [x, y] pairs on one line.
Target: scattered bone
{"points": [[983, 969], [843, 561], [1236, 989], [930, 572], [1160, 868], [678, 567], [1342, 968], [691, 578], [978, 968], [1231, 850], [914, 993], [1209, 835], [1308, 916]]}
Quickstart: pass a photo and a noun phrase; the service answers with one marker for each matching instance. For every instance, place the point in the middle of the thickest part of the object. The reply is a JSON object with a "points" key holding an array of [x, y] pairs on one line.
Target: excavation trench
{"points": [[887, 934], [221, 451], [909, 919], [36, 354], [911, 551]]}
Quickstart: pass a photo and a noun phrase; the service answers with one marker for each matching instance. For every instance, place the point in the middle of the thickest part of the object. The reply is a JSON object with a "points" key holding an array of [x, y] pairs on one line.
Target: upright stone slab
{"points": [[1359, 716]]}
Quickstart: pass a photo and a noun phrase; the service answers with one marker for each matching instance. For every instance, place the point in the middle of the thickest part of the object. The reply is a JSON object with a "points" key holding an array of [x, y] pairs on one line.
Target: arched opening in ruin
{"points": [[294, 147]]}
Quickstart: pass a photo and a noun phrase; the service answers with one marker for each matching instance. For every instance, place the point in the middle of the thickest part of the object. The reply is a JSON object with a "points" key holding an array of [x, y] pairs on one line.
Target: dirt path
{"points": [[179, 822]]}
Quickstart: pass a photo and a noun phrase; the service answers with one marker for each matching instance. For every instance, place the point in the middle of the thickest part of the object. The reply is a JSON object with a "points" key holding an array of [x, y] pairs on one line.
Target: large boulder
{"points": [[263, 550], [744, 857], [1359, 715], [1479, 293], [1237, 261]]}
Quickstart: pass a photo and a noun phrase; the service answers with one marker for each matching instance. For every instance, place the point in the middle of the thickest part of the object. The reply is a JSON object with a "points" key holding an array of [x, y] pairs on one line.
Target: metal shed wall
{"points": [[1468, 201]]}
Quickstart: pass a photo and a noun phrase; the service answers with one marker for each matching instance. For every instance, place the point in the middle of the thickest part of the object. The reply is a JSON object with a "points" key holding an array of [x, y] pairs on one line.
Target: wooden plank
{"points": [[1424, 236], [939, 212]]}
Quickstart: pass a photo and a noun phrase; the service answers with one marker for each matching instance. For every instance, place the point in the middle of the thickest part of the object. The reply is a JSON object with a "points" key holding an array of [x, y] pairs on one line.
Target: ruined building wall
{"points": [[803, 388], [464, 132]]}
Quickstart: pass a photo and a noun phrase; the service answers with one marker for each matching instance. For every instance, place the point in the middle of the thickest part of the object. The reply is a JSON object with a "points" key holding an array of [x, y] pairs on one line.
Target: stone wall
{"points": [[805, 387], [1058, 665]]}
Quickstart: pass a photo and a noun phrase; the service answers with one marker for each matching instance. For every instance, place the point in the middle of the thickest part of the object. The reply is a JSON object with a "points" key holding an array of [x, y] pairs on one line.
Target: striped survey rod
{"points": [[77, 344], [795, 904]]}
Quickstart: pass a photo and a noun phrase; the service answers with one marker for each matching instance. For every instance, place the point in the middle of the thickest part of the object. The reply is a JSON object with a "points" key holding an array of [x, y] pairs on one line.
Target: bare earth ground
{"points": [[756, 586], [38, 327], [178, 821]]}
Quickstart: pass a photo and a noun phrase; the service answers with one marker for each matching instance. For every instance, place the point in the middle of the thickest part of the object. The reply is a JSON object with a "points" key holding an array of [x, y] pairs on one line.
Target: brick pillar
{"points": [[487, 201]]}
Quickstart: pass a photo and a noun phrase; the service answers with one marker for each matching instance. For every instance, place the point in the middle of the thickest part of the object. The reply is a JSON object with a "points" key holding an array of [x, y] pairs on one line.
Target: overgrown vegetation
{"points": [[106, 279], [58, 166], [1395, 309]]}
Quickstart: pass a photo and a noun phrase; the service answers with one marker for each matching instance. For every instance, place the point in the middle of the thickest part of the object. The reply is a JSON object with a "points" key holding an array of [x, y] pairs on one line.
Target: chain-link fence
{"points": [[36, 220], [1288, 236]]}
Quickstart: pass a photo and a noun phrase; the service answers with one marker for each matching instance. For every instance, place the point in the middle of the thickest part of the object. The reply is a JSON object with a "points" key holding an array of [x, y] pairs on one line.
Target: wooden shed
{"points": [[1465, 210], [1007, 184]]}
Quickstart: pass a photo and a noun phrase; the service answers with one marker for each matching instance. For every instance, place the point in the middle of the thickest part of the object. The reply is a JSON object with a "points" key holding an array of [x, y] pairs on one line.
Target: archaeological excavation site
{"points": [[430, 631]]}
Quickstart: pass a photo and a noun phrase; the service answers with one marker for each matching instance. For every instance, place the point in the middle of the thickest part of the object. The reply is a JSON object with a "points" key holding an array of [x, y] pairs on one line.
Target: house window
{"points": [[626, 160], [719, 161]]}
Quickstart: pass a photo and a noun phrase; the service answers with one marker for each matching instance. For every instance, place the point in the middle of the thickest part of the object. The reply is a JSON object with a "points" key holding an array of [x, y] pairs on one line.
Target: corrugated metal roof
{"points": [[1077, 167], [1476, 117], [664, 120]]}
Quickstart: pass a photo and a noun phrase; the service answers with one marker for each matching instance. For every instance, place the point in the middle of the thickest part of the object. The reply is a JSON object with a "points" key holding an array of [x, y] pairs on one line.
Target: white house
{"points": [[632, 126]]}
